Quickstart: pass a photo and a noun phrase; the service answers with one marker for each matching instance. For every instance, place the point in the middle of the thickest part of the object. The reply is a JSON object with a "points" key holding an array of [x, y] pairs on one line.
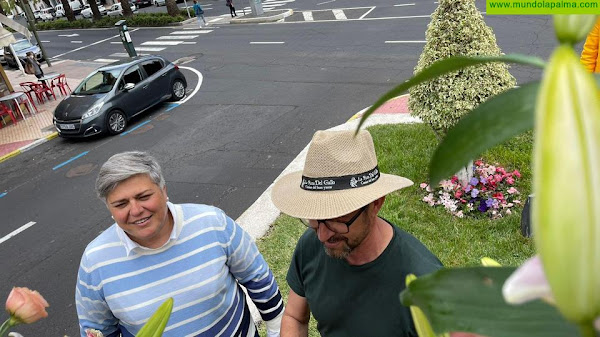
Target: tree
{"points": [[457, 29], [172, 8], [126, 7], [95, 11], [68, 11]]}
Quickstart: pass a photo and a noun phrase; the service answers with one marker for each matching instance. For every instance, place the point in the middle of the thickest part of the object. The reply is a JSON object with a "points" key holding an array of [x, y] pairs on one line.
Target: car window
{"points": [[152, 67], [22, 45], [99, 82], [131, 75]]}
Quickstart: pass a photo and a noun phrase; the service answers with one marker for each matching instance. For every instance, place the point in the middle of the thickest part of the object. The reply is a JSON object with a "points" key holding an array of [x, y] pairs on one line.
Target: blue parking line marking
{"points": [[70, 160], [173, 106], [2, 194], [137, 127]]}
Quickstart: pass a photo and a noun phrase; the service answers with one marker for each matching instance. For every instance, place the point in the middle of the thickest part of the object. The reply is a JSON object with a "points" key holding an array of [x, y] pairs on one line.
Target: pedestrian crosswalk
{"points": [[179, 37], [267, 6], [354, 13]]}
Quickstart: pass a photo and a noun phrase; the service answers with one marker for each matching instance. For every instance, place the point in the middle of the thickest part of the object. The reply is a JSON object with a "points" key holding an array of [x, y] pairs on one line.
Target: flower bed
{"points": [[491, 191]]}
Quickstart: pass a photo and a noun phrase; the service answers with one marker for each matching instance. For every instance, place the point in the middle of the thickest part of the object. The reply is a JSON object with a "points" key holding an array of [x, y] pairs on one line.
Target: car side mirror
{"points": [[128, 86]]}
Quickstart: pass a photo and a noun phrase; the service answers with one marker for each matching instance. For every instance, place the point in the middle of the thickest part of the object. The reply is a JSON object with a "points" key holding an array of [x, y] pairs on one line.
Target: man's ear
{"points": [[377, 204]]}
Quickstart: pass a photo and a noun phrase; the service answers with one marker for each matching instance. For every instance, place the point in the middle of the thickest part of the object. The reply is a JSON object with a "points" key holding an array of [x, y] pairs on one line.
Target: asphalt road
{"points": [[264, 90]]}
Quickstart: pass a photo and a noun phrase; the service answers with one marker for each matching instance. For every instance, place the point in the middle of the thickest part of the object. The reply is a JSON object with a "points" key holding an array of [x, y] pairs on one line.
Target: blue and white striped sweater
{"points": [[200, 267]]}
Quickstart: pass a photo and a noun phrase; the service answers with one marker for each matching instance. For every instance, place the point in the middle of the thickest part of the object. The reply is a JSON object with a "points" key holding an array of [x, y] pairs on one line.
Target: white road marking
{"points": [[359, 19], [149, 49], [76, 41], [70, 35], [125, 54], [177, 37], [105, 60], [45, 41], [200, 78], [339, 14], [267, 42], [326, 2], [191, 32], [402, 5], [307, 16], [116, 42], [80, 48], [406, 41], [369, 11], [161, 43], [17, 231], [189, 42], [215, 20]]}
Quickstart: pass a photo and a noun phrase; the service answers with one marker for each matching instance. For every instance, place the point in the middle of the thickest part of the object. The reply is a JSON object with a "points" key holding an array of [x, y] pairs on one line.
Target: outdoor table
{"points": [[14, 97], [48, 77]]}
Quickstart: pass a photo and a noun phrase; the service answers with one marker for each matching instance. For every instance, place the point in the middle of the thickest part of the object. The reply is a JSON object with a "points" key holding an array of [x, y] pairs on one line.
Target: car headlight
{"points": [[93, 111]]}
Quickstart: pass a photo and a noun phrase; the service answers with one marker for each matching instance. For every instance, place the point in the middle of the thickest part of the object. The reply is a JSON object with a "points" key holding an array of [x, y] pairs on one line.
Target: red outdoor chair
{"points": [[61, 83], [42, 92], [24, 100], [27, 89], [6, 111]]}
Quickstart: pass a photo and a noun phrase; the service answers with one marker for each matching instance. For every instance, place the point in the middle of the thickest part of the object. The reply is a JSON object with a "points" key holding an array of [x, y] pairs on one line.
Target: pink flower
{"points": [[423, 185], [93, 333], [517, 173], [498, 196], [478, 163], [512, 190], [459, 214], [447, 185], [497, 178], [508, 212], [458, 194], [26, 305], [510, 180], [500, 170]]}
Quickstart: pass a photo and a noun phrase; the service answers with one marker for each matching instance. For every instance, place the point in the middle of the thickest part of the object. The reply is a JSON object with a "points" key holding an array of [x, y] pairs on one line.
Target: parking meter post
{"points": [[126, 38], [31, 20]]}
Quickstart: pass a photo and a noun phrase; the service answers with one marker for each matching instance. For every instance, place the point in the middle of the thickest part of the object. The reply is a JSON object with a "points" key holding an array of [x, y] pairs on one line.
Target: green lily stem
{"points": [[586, 330], [9, 323]]}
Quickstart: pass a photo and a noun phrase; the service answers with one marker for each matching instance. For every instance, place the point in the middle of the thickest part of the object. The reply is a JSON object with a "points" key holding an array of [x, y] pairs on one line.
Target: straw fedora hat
{"points": [[340, 176]]}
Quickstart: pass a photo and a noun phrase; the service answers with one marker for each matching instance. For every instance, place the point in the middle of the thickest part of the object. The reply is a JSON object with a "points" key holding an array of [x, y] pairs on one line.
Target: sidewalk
{"points": [[38, 128]]}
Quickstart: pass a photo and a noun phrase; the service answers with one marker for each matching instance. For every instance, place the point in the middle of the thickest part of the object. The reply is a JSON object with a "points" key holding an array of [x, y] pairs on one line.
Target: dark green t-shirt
{"points": [[360, 300]]}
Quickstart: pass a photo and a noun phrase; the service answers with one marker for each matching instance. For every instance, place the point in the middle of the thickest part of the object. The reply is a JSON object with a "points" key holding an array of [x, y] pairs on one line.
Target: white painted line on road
{"points": [[307, 16], [17, 231], [149, 49], [359, 19], [339, 14], [70, 35], [326, 2], [267, 42], [116, 42], [406, 41], [200, 78], [184, 32], [369, 11], [189, 42], [105, 60], [402, 5], [80, 48], [126, 55], [45, 41], [161, 43], [215, 20], [177, 37], [76, 41]]}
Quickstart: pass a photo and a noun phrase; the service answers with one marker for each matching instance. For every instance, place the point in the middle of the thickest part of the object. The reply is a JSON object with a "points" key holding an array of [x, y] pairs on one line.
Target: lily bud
{"points": [[25, 305], [566, 211], [574, 27]]}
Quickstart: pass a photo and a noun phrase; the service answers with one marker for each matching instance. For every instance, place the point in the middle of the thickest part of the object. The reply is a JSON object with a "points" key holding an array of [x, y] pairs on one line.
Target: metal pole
{"points": [[31, 21], [186, 9], [17, 59]]}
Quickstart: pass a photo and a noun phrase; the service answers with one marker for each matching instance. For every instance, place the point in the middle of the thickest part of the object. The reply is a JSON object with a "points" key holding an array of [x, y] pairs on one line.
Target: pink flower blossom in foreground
{"points": [[93, 333], [512, 190], [26, 305], [423, 185]]}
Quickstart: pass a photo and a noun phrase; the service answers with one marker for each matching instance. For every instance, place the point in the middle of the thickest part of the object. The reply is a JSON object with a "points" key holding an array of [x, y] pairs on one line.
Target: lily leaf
{"points": [[470, 300], [446, 66], [158, 321], [490, 123]]}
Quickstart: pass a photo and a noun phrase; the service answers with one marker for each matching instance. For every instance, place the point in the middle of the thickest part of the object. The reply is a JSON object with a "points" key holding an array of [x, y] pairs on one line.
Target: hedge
{"points": [[137, 20]]}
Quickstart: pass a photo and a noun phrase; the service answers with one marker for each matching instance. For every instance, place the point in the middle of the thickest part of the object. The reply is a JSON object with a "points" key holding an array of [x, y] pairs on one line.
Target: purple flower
{"points": [[483, 180], [482, 207], [474, 193], [489, 203], [474, 181], [468, 188]]}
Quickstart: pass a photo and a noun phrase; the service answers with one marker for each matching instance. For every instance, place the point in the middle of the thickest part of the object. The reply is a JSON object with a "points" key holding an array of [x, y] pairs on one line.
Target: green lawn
{"points": [[405, 150]]}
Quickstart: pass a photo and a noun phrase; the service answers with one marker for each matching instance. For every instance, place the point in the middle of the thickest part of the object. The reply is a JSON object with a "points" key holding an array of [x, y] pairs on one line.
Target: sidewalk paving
{"points": [[35, 129]]}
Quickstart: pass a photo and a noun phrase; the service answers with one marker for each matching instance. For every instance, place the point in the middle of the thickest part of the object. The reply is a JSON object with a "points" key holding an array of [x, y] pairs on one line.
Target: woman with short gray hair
{"points": [[155, 249]]}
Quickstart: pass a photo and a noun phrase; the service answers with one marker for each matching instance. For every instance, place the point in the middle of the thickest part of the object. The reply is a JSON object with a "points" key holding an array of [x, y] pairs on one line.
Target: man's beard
{"points": [[347, 246]]}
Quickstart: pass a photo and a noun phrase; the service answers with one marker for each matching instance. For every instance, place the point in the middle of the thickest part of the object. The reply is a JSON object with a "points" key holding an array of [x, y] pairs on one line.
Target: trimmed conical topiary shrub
{"points": [[457, 28]]}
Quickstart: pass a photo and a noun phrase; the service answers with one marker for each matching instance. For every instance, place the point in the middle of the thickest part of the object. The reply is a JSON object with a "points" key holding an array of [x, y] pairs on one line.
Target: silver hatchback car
{"points": [[111, 95]]}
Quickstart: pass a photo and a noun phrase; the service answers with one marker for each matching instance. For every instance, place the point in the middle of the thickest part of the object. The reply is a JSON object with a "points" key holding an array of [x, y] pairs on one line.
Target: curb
{"points": [[28, 146], [361, 112], [273, 18]]}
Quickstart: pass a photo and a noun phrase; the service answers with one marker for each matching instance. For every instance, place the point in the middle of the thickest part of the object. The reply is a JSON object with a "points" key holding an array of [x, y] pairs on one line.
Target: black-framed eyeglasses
{"points": [[335, 226]]}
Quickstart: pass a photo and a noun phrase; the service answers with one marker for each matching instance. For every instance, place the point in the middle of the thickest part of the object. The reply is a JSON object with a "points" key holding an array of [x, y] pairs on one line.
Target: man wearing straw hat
{"points": [[350, 265]]}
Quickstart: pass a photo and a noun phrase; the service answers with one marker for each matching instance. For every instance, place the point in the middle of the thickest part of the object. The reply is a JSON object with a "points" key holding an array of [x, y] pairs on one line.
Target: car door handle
{"points": [[163, 75], [145, 87]]}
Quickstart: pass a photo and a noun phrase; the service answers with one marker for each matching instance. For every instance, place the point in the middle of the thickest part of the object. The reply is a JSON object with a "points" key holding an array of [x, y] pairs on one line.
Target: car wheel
{"points": [[116, 122], [177, 90]]}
